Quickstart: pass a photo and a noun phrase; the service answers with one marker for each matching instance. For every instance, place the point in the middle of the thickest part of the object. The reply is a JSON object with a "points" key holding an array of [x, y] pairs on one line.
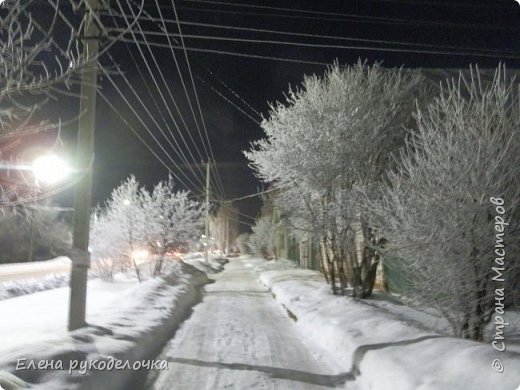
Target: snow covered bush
{"points": [[172, 220], [118, 229], [451, 209], [136, 226], [335, 134], [261, 240]]}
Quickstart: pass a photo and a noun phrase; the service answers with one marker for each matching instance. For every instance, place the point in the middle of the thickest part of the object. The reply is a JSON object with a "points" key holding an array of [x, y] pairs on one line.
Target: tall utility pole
{"points": [[206, 225], [84, 160]]}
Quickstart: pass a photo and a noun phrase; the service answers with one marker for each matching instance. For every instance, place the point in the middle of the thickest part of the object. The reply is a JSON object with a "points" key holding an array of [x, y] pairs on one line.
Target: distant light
{"points": [[140, 255], [50, 169]]}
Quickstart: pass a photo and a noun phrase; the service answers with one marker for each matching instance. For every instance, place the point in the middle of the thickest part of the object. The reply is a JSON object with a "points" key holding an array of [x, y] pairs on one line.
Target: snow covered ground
{"points": [[127, 321], [238, 338], [383, 345]]}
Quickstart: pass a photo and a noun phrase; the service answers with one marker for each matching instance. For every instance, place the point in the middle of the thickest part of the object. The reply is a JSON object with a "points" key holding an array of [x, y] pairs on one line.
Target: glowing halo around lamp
{"points": [[50, 169]]}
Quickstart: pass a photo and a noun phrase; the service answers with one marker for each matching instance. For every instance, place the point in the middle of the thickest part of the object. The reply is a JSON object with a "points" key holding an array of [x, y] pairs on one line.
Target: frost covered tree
{"points": [[335, 134], [451, 209], [36, 69], [172, 220], [119, 228], [134, 219], [261, 240]]}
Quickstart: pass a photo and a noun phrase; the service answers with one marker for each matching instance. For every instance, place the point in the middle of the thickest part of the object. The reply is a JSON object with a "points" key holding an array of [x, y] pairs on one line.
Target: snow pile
{"points": [[16, 288], [21, 270], [196, 259], [261, 265], [388, 349], [127, 321]]}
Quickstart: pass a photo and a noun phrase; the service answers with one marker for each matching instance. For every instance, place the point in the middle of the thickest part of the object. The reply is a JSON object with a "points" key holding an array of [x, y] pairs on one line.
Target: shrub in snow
{"points": [[334, 135], [447, 207], [136, 227], [118, 229], [261, 240], [172, 220], [242, 243]]}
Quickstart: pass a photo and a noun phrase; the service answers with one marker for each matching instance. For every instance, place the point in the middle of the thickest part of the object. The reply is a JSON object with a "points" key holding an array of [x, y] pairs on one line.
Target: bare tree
{"points": [[451, 209], [334, 135], [36, 69]]}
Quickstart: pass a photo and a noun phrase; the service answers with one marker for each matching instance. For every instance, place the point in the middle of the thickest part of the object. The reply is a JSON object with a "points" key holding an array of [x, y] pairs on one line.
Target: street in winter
{"points": [[238, 337], [275, 194]]}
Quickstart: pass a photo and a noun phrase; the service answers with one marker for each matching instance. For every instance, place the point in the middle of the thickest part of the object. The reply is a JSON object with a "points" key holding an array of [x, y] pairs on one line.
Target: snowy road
{"points": [[238, 338]]}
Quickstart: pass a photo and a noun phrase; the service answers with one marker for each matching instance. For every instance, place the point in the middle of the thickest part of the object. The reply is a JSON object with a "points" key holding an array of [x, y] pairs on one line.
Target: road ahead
{"points": [[238, 338]]}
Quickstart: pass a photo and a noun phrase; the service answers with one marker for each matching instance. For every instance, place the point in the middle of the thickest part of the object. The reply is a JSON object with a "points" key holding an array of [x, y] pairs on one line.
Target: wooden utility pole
{"points": [[84, 160], [206, 226]]}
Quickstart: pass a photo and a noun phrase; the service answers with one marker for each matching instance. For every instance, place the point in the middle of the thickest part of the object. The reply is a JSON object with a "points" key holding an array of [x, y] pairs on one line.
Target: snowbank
{"points": [[382, 349], [16, 271], [15, 288], [196, 259], [131, 328]]}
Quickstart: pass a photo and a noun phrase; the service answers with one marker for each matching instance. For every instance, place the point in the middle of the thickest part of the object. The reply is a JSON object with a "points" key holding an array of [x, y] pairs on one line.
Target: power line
{"points": [[223, 52], [332, 37], [195, 89], [181, 153], [345, 47], [235, 93], [252, 195], [144, 124], [229, 101], [136, 133], [358, 19], [277, 9], [161, 114]]}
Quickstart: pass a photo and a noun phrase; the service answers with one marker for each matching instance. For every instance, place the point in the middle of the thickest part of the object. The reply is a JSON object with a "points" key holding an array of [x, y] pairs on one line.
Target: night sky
{"points": [[410, 29]]}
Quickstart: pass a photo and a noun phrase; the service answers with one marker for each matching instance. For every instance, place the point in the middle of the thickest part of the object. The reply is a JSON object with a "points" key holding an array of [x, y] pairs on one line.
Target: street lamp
{"points": [[50, 169]]}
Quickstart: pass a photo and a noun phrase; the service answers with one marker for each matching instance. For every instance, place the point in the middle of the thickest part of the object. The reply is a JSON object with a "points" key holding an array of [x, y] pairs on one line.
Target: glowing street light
{"points": [[140, 256], [50, 169]]}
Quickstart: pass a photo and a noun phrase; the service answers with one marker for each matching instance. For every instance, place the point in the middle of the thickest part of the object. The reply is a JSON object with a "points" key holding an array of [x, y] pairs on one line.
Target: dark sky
{"points": [[452, 30]]}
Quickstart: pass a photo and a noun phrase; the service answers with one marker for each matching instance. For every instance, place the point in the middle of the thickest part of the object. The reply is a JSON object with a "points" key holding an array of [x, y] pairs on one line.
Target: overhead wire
{"points": [[285, 9], [229, 101], [179, 72], [235, 94], [178, 148], [331, 37], [151, 133], [494, 54], [231, 53], [218, 180], [358, 19], [143, 141], [218, 188]]}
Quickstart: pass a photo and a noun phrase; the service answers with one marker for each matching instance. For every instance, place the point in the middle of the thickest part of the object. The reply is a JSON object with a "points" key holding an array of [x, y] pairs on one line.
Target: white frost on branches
{"points": [[335, 134], [436, 208], [134, 219]]}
